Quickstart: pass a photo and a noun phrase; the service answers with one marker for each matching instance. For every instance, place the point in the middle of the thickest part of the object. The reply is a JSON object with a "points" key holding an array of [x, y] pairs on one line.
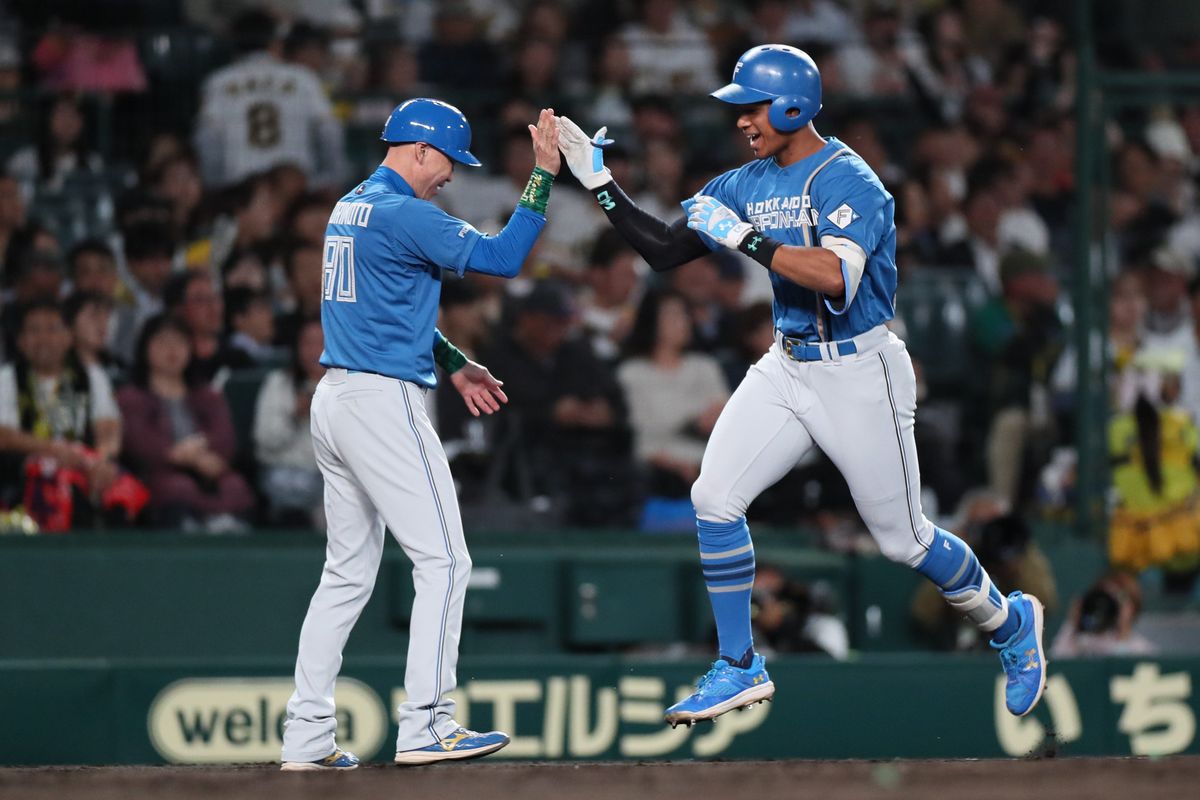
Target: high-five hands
{"points": [[584, 154], [546, 142]]}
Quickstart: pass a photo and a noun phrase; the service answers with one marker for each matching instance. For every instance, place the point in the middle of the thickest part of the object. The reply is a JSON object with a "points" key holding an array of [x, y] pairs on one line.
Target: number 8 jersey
{"points": [[260, 112]]}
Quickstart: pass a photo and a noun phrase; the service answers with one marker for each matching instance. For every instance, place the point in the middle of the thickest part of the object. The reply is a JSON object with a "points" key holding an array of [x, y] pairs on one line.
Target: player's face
{"points": [[753, 123], [436, 171]]}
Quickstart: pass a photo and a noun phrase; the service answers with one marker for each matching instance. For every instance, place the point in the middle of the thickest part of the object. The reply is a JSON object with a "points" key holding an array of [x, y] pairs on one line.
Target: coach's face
{"points": [[434, 170], [753, 123]]}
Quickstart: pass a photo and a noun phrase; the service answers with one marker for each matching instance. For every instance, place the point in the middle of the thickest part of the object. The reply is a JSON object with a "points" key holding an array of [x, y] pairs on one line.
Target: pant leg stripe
{"points": [[449, 551], [887, 377]]}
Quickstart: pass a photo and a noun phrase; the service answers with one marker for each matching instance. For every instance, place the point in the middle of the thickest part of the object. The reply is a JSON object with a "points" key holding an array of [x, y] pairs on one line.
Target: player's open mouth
{"points": [[753, 137]]}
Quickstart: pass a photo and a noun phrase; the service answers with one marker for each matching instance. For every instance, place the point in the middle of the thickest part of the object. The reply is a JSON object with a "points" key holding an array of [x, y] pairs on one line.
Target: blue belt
{"points": [[802, 351]]}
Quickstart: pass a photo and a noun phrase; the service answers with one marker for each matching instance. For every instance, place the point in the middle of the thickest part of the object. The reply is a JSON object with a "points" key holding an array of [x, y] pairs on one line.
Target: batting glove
{"points": [[707, 215], [584, 155]]}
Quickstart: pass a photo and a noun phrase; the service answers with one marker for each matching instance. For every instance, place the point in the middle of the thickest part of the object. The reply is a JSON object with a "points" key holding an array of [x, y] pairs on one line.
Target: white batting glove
{"points": [[707, 215], [584, 155]]}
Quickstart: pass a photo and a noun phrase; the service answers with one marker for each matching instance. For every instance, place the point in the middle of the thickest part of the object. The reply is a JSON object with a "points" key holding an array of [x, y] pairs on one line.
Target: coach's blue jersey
{"points": [[384, 254], [832, 193]]}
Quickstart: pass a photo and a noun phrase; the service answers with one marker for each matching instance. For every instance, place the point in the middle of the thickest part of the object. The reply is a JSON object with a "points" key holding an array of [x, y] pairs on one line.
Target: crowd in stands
{"points": [[169, 168]]}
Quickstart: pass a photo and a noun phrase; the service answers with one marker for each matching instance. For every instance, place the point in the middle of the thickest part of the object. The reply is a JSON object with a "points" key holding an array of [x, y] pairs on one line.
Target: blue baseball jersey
{"points": [[385, 250], [831, 195]]}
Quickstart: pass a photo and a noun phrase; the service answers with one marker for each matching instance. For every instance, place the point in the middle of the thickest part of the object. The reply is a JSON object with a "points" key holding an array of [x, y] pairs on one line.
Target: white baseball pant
{"points": [[383, 465], [859, 409]]}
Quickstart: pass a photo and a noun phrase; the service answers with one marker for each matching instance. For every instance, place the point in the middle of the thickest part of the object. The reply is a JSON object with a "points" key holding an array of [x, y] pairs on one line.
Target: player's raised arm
{"points": [[821, 269], [504, 253], [664, 246]]}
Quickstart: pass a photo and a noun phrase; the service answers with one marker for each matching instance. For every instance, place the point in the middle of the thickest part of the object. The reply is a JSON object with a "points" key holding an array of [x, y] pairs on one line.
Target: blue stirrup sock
{"points": [[952, 565], [727, 560]]}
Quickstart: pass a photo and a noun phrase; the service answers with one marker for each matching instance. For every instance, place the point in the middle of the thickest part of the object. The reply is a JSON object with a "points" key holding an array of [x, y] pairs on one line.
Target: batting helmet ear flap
{"points": [[780, 119]]}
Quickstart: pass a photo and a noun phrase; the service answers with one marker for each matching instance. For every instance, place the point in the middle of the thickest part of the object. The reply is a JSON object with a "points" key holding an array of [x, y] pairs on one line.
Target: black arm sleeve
{"points": [[663, 246]]}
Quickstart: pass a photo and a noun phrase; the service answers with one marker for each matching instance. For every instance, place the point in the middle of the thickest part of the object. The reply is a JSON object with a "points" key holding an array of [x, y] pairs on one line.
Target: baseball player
{"points": [[811, 211], [260, 111], [385, 249]]}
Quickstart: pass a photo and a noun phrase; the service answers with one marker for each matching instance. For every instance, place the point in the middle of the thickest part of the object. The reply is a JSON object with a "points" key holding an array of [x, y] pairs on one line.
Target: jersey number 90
{"points": [[339, 269]]}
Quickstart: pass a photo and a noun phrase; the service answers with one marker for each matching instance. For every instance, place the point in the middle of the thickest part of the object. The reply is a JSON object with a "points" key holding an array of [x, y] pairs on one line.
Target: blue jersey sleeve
{"points": [[438, 238], [722, 188], [852, 205]]}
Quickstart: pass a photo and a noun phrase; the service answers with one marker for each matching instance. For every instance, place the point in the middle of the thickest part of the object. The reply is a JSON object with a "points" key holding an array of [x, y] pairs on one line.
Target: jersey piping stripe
{"points": [[449, 551], [887, 378], [808, 241]]}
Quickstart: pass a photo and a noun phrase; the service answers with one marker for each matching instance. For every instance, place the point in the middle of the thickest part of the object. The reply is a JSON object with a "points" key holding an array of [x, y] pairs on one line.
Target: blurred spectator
{"points": [[179, 437], [608, 306], [793, 617], [1048, 154], [669, 53], [259, 111], [662, 165], [611, 88], [823, 21], [699, 283], [572, 219], [52, 405], [87, 61], [458, 56], [1007, 551], [177, 182], [245, 270], [10, 84], [251, 328], [753, 333], [1019, 337], [250, 221], [1169, 314], [564, 431], [674, 396], [288, 473], [1101, 622], [862, 134], [536, 75], [304, 276], [12, 219], [192, 298], [992, 26], [88, 315], [943, 70], [62, 148], [462, 320], [39, 280], [307, 218], [1038, 72], [148, 253], [307, 46], [1152, 446], [980, 247], [1190, 379], [875, 68]]}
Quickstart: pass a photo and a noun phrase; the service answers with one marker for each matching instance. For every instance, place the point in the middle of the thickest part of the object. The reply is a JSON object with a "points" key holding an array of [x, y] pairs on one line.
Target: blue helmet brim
{"points": [[740, 95], [464, 157]]}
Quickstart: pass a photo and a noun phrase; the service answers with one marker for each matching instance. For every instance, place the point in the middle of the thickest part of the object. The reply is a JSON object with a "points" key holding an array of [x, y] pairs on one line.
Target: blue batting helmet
{"points": [[437, 124], [784, 75]]}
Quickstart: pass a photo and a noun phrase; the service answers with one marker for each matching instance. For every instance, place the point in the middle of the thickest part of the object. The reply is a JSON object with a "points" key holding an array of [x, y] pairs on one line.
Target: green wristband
{"points": [[537, 191], [447, 356]]}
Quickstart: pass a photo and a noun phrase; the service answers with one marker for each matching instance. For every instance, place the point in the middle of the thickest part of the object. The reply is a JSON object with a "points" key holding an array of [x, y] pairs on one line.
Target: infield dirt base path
{"points": [[1056, 778]]}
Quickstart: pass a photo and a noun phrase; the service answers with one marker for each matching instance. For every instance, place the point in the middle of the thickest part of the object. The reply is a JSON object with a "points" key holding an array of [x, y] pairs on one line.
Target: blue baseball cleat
{"points": [[338, 760], [1023, 658], [457, 746], [724, 688]]}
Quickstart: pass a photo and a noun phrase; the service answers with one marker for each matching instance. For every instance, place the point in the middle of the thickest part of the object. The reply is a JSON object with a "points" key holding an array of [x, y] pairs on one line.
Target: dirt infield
{"points": [[828, 780]]}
